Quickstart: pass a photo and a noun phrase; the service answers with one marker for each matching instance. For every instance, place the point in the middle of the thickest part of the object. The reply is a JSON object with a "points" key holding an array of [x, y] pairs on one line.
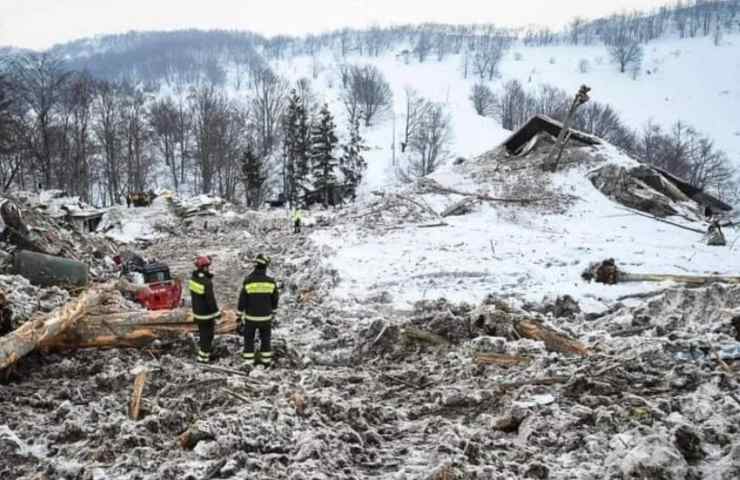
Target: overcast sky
{"points": [[39, 24]]}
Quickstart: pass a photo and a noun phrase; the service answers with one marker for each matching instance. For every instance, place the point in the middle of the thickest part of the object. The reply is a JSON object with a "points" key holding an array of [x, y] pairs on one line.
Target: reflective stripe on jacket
{"points": [[202, 297], [259, 297]]}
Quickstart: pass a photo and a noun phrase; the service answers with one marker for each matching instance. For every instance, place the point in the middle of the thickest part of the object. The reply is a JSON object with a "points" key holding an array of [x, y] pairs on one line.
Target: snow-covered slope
{"points": [[690, 80], [521, 251]]}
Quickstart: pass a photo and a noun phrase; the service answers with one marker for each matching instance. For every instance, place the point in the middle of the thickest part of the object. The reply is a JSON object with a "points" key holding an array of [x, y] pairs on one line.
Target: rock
{"points": [[689, 444]]}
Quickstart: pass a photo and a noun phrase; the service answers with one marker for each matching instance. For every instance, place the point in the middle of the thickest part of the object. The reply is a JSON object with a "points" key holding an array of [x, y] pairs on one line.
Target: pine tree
{"points": [[296, 164], [323, 161], [353, 164], [253, 177]]}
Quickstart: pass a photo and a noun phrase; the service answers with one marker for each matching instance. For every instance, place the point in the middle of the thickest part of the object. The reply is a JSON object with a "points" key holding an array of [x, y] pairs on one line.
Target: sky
{"points": [[39, 24]]}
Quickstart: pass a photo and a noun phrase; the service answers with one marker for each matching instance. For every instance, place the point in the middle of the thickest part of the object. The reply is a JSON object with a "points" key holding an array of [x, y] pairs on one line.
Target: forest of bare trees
{"points": [[100, 140], [137, 111]]}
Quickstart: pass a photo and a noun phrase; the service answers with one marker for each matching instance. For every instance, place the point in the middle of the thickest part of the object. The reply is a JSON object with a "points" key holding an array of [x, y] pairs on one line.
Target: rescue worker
{"points": [[297, 217], [205, 309], [258, 300]]}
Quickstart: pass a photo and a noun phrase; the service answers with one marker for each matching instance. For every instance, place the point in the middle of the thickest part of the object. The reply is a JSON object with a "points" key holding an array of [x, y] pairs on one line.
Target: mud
{"points": [[350, 398]]}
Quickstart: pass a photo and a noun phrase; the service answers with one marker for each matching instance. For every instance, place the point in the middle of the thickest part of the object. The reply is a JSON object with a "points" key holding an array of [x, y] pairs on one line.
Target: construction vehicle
{"points": [[162, 292]]}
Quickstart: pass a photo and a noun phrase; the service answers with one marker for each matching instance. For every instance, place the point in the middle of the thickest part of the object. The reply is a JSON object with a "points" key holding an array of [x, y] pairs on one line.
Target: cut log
{"points": [[554, 341], [417, 334], [35, 332], [133, 329], [497, 359], [135, 409]]}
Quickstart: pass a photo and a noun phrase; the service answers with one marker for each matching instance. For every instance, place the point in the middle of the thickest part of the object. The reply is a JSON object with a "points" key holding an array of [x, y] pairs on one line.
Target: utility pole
{"points": [[551, 164]]}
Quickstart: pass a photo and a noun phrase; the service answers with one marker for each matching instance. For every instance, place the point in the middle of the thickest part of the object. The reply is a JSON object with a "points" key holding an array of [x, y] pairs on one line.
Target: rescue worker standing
{"points": [[297, 217], [205, 309], [258, 300]]}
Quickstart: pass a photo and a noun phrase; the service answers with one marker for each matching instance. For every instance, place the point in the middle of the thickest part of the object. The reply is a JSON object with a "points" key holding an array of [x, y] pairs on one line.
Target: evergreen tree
{"points": [[297, 136], [323, 161], [253, 177], [353, 164]]}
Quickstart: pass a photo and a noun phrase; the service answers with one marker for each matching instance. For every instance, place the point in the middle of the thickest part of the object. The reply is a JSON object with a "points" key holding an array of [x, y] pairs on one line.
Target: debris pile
{"points": [[197, 206], [26, 227], [392, 210]]}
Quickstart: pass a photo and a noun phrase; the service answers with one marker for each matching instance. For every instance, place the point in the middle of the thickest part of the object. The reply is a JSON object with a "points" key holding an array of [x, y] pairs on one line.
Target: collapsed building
{"points": [[639, 186]]}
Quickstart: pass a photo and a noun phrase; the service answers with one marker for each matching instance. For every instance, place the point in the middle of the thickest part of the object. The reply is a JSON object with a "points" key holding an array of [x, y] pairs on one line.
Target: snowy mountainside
{"points": [[690, 80], [522, 251]]}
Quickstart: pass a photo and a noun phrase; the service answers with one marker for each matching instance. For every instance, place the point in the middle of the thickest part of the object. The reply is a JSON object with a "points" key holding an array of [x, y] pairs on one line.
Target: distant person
{"points": [[258, 300], [205, 308], [297, 217], [708, 213]]}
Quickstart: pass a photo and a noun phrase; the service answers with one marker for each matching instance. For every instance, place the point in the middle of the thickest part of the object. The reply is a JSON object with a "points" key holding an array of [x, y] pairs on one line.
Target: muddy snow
{"points": [[379, 344]]}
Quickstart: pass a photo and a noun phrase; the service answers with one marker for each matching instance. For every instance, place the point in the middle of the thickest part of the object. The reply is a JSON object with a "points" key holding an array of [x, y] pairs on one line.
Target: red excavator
{"points": [[162, 292]]}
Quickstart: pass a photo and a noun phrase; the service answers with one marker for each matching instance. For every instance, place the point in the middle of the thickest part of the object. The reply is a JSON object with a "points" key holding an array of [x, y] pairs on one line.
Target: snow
{"points": [[691, 80], [509, 250]]}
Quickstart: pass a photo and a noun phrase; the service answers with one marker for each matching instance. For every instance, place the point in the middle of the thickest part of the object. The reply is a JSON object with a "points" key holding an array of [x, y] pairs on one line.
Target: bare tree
{"points": [[107, 131], [514, 107], [423, 46], [484, 100], [268, 105], [77, 105], [431, 141], [416, 109], [625, 51], [163, 120], [40, 78], [367, 93], [136, 138], [489, 51], [205, 105]]}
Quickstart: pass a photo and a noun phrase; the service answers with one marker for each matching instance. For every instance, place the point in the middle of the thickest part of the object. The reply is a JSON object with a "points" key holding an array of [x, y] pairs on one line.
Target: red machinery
{"points": [[163, 292]]}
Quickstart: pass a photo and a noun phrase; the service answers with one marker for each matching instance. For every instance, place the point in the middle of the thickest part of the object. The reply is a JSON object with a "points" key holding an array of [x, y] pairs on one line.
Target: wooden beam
{"points": [[133, 329], [34, 333], [135, 408]]}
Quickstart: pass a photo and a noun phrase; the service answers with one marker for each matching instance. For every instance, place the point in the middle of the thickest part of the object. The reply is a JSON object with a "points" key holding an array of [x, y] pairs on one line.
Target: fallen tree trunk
{"points": [[133, 329], [32, 334], [687, 279], [608, 273]]}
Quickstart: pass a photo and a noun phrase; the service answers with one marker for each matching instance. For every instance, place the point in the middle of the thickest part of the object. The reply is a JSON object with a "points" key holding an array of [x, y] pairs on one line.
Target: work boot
{"points": [[203, 357], [248, 360]]}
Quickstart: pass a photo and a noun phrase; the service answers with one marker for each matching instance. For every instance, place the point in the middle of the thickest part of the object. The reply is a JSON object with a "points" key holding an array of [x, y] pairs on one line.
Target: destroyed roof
{"points": [[542, 123], [693, 192]]}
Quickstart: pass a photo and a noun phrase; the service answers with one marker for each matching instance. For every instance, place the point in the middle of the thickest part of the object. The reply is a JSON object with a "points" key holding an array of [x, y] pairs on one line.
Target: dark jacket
{"points": [[203, 299], [259, 297]]}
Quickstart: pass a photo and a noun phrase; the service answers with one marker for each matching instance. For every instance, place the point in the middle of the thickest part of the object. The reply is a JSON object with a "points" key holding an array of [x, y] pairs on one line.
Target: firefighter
{"points": [[258, 300], [297, 217], [205, 309]]}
